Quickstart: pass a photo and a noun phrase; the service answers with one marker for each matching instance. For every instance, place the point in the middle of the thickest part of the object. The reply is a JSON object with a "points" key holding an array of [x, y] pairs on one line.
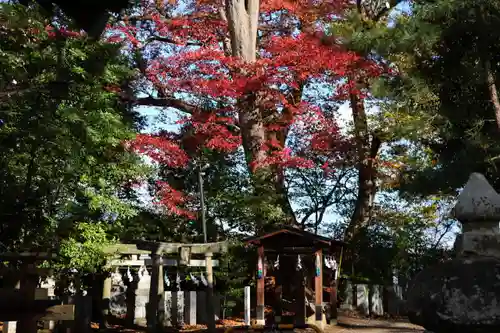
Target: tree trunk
{"points": [[367, 151], [492, 88], [242, 18], [485, 59]]}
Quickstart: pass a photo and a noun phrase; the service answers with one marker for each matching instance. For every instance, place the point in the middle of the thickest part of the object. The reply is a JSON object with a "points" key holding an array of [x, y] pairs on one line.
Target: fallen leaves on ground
{"points": [[222, 323]]}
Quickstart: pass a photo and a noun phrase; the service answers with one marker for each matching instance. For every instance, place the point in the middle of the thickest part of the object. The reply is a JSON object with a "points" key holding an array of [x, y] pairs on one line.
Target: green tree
{"points": [[63, 127], [446, 56], [404, 238]]}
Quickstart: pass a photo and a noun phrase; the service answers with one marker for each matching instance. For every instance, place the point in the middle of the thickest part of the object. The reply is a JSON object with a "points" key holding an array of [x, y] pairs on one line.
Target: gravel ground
{"points": [[346, 325]]}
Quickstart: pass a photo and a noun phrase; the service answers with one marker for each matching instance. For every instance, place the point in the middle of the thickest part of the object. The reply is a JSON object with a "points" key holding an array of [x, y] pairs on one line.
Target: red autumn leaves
{"points": [[184, 55]]}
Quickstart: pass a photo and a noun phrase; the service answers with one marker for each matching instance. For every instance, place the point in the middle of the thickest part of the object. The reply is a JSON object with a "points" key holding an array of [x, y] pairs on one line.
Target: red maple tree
{"points": [[252, 60]]}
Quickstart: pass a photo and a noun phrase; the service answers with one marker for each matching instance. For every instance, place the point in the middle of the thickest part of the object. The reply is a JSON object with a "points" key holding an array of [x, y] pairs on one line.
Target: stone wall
{"points": [[372, 299]]}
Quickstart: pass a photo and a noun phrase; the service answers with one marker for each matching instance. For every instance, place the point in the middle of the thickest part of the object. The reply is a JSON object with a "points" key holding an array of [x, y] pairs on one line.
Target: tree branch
{"points": [[375, 146], [170, 102], [167, 102], [170, 40]]}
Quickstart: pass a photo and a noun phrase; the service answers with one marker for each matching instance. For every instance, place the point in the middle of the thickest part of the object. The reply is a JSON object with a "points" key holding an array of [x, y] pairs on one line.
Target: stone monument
{"points": [[463, 294]]}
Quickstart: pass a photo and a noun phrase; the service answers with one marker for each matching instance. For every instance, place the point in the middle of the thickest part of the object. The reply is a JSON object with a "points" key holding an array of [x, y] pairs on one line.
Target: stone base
{"points": [[460, 295], [479, 242]]}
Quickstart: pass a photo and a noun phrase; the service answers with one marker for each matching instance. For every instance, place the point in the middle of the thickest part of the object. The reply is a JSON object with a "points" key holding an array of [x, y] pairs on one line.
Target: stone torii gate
{"points": [[21, 302], [155, 314]]}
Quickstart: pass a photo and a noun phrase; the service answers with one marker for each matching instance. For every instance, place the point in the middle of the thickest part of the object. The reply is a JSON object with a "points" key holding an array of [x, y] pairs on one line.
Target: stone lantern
{"points": [[463, 294]]}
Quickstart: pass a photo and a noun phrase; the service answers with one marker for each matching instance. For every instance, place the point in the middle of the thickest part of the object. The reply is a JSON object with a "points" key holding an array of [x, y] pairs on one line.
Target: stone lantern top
{"points": [[478, 205]]}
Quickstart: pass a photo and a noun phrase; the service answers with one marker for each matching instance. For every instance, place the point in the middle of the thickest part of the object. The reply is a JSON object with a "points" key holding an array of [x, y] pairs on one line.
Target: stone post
{"points": [[247, 305], [161, 296], [142, 297], [106, 297], [190, 307], [155, 294], [462, 294], [210, 293]]}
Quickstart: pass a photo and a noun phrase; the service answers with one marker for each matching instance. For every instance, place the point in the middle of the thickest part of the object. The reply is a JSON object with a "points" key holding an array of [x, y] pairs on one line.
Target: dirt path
{"points": [[358, 325]]}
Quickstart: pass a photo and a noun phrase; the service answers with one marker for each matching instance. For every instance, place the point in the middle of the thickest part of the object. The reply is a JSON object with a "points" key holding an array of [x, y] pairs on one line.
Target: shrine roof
{"points": [[292, 238]]}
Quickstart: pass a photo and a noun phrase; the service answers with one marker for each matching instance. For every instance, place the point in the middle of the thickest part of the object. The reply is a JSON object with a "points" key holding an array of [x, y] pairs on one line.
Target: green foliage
{"points": [[404, 237], [62, 160], [441, 94], [83, 249], [234, 273]]}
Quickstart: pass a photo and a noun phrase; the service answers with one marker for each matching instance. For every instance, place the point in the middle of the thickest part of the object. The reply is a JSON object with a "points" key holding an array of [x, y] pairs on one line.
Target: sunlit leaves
{"points": [[83, 251]]}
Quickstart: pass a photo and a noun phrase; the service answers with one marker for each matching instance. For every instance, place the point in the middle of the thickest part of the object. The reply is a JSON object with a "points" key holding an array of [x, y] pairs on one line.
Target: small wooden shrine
{"points": [[294, 259]]}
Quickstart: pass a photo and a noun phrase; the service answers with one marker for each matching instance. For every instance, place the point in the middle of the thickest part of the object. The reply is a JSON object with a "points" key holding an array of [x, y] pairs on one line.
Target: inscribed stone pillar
{"points": [[168, 308], [348, 293], [362, 299], [177, 310], [190, 307], [376, 301], [142, 296]]}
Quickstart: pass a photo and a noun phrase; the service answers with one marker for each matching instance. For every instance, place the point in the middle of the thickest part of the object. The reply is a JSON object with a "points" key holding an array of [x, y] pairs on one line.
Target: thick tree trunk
{"points": [[367, 150], [485, 58], [242, 18], [492, 88]]}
